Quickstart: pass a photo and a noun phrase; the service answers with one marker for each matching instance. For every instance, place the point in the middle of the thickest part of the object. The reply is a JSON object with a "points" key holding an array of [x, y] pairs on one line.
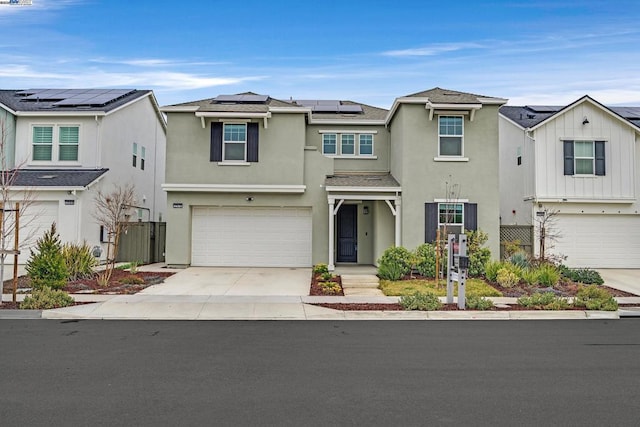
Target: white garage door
{"points": [[256, 237], [599, 241], [36, 219]]}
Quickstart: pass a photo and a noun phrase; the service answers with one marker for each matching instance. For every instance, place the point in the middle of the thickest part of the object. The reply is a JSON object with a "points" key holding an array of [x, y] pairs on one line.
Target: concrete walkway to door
{"points": [[235, 281], [624, 279]]}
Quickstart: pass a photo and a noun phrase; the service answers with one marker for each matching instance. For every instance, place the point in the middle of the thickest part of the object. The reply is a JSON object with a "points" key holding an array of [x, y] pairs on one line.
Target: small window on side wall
{"points": [[135, 155], [143, 154]]}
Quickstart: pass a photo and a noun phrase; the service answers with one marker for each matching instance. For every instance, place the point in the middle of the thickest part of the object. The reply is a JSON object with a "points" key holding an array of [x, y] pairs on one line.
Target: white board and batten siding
{"points": [[598, 241], [618, 182], [251, 236]]}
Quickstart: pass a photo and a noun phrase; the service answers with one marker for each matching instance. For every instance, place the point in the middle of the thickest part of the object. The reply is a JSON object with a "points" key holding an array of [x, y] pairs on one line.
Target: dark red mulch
{"points": [[445, 307], [316, 289], [91, 285]]}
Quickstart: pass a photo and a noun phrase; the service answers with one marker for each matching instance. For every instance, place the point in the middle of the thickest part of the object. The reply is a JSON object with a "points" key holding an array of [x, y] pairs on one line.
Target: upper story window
{"points": [[365, 144], [329, 143], [135, 155], [234, 143], [450, 135], [451, 217], [350, 144], [55, 143], [584, 157], [143, 155]]}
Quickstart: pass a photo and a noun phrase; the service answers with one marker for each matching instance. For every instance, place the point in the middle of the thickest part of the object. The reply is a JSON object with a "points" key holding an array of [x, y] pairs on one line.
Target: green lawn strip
{"points": [[408, 287]]}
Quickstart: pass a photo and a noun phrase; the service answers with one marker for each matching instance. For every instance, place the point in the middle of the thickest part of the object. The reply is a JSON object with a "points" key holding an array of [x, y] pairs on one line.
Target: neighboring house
{"points": [[580, 160], [255, 181], [66, 144]]}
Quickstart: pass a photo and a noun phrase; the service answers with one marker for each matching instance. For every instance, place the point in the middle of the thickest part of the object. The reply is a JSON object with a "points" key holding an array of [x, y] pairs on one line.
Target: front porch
{"points": [[364, 217]]}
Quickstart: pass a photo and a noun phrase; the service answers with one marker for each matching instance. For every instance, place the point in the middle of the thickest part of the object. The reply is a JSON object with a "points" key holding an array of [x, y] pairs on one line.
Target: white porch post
{"points": [[398, 240], [331, 227]]}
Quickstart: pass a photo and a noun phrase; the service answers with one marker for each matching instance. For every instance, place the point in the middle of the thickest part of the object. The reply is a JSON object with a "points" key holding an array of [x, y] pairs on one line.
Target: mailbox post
{"points": [[458, 266]]}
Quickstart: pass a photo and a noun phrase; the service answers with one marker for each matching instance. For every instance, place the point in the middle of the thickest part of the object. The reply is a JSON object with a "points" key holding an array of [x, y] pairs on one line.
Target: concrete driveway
{"points": [[236, 281], [624, 279]]}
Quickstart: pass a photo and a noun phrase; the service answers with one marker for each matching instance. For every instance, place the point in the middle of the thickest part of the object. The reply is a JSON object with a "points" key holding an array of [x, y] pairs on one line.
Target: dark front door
{"points": [[348, 233]]}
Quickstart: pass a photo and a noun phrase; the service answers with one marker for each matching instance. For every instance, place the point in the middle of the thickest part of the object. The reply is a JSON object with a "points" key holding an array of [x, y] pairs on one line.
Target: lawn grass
{"points": [[408, 287]]}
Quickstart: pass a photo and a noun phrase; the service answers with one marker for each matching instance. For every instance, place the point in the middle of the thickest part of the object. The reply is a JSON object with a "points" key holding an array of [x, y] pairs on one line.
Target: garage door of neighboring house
{"points": [[599, 241], [255, 237], [36, 219]]}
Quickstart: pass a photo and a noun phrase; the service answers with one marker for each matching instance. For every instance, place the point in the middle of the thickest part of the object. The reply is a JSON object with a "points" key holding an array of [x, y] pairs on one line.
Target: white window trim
{"points": [[372, 145], [342, 135], [356, 144], [224, 143], [441, 157], [457, 202], [592, 158], [55, 145], [336, 145]]}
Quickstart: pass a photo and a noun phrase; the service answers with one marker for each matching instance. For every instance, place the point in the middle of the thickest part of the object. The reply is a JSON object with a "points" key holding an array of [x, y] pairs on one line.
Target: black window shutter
{"points": [[215, 154], [252, 142], [600, 161], [568, 157], [430, 222], [470, 216]]}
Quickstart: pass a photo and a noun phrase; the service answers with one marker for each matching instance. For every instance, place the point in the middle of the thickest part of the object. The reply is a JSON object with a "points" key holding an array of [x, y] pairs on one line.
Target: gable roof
{"points": [[77, 178], [439, 98], [226, 103], [22, 101], [533, 116]]}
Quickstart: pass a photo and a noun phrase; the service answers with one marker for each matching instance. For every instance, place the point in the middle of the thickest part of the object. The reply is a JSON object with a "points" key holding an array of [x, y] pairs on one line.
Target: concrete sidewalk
{"points": [[201, 293]]}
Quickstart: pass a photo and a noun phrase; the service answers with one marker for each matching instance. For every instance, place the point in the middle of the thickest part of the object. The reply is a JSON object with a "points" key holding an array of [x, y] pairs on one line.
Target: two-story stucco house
{"points": [[255, 181], [580, 161], [66, 144]]}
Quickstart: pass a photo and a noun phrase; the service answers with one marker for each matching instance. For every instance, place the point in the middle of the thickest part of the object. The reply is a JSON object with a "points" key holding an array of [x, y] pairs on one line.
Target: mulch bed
{"points": [[91, 286], [398, 307], [317, 290]]}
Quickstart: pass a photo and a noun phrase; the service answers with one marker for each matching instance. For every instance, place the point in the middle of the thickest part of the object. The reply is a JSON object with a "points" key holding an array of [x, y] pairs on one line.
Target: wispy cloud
{"points": [[432, 50], [154, 62]]}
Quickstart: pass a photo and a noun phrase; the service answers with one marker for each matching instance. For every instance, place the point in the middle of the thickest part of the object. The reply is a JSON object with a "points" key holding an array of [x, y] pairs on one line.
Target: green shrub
{"points": [[320, 268], [491, 270], [475, 302], [581, 275], [426, 256], [548, 275], [79, 260], [46, 266], [507, 278], [46, 298], [420, 301], [330, 288], [544, 301], [529, 276], [478, 255], [394, 263], [326, 275], [131, 280], [593, 297], [520, 258]]}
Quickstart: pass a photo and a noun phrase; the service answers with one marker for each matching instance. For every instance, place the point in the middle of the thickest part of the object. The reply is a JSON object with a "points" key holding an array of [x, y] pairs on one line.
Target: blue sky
{"points": [[531, 52]]}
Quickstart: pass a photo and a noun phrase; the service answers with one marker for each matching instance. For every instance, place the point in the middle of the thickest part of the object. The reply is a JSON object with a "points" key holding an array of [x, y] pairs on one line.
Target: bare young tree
{"points": [[112, 212], [546, 230], [452, 195], [14, 202]]}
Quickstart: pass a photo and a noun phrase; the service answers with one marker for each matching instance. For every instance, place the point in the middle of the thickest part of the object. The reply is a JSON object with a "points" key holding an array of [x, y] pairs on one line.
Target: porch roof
{"points": [[362, 182]]}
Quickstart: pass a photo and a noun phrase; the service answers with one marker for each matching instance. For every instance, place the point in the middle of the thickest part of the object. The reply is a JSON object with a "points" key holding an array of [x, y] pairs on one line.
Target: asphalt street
{"points": [[140, 373]]}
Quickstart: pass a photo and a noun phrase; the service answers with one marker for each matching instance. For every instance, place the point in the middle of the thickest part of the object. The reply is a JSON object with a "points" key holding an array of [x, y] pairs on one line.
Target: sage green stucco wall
{"points": [[378, 163], [281, 153], [383, 229], [424, 180], [316, 167]]}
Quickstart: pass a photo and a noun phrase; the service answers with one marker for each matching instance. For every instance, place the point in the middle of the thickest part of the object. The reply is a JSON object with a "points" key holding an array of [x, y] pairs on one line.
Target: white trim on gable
{"points": [[578, 102]]}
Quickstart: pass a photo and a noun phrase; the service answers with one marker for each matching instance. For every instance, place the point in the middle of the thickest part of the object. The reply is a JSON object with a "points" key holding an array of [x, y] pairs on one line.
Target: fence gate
{"points": [[521, 233], [143, 242]]}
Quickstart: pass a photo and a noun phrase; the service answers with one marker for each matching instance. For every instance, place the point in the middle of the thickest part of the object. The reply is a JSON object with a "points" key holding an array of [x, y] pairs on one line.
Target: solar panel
{"points": [[75, 97], [628, 112], [544, 108], [241, 98]]}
